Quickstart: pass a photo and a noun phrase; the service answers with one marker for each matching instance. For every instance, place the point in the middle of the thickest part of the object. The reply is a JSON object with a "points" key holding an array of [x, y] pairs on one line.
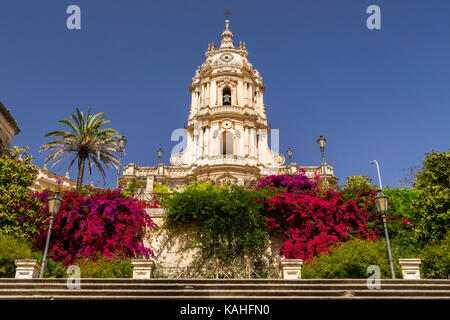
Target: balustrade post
{"points": [[410, 268], [27, 269], [291, 268], [142, 268]]}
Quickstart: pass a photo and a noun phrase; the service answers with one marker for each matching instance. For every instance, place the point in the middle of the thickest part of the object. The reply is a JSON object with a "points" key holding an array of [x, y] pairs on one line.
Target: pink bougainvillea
{"points": [[288, 183], [105, 223], [313, 220]]}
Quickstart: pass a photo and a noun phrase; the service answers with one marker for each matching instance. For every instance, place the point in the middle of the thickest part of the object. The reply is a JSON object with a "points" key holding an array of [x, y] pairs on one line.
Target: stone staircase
{"points": [[212, 289]]}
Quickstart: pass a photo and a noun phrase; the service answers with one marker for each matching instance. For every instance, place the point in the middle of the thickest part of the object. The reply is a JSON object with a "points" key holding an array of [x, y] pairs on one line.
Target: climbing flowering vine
{"points": [[313, 220], [103, 223]]}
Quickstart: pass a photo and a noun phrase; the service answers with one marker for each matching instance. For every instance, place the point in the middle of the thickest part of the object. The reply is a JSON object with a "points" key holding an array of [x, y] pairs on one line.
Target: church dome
{"points": [[228, 58]]}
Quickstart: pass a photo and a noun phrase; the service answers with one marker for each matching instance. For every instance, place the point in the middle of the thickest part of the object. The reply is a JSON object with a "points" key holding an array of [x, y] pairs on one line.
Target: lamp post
{"points": [[378, 170], [122, 143], [54, 204], [289, 153], [321, 142], [159, 172], [381, 201], [160, 153]]}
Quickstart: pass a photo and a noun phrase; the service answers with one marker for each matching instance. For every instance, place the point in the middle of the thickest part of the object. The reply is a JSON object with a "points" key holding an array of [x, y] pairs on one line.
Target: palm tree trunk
{"points": [[81, 164]]}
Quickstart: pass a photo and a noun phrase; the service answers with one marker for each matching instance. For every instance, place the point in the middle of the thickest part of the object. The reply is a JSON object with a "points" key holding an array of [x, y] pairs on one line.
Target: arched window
{"points": [[226, 143], [226, 96]]}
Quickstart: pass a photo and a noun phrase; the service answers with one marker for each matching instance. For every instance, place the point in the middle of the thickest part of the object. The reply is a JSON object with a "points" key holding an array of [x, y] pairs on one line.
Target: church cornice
{"points": [[243, 169], [210, 76]]}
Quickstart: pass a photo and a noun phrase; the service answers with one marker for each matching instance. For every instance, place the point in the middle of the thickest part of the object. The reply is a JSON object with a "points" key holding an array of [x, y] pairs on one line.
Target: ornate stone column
{"points": [[246, 141], [253, 143], [240, 140], [206, 142], [202, 95], [250, 95], [240, 95], [262, 146], [259, 146], [149, 184], [245, 93], [213, 93], [200, 145]]}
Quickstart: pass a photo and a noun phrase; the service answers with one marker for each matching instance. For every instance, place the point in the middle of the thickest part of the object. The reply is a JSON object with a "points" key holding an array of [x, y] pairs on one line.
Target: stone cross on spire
{"points": [[227, 14]]}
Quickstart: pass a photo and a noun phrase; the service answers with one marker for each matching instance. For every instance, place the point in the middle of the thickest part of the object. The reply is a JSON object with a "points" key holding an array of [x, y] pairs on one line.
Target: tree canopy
{"points": [[87, 140]]}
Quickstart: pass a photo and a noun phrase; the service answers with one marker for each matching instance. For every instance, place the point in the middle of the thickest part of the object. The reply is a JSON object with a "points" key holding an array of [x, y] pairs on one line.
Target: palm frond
{"points": [[88, 140]]}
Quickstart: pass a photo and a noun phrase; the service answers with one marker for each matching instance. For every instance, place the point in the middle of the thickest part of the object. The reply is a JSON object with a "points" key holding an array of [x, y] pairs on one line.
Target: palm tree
{"points": [[86, 141]]}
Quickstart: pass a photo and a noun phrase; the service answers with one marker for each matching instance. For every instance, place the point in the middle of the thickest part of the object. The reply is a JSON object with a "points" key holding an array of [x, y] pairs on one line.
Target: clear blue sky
{"points": [[374, 94]]}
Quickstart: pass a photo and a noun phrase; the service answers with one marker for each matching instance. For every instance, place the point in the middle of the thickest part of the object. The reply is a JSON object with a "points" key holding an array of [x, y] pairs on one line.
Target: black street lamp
{"points": [[321, 142], [289, 153], [121, 143], [159, 167], [54, 204], [160, 153], [381, 201]]}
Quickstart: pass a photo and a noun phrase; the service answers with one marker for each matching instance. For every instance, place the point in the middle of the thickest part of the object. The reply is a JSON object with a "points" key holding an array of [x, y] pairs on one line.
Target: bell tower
{"points": [[226, 137], [227, 129]]}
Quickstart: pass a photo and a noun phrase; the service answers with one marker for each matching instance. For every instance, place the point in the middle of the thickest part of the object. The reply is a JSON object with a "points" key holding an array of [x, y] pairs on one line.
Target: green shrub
{"points": [[12, 249], [350, 261], [134, 185], [53, 269], [436, 260], [401, 221], [226, 222], [433, 198], [103, 268], [19, 210]]}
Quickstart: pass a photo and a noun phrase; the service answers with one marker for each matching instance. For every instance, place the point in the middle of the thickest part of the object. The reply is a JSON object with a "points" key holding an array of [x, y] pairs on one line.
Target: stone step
{"points": [[235, 297], [226, 286], [226, 281], [227, 289], [193, 293]]}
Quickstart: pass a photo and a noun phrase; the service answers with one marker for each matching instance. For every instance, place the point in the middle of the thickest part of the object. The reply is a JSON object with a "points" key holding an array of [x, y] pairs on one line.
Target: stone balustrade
{"points": [[143, 268]]}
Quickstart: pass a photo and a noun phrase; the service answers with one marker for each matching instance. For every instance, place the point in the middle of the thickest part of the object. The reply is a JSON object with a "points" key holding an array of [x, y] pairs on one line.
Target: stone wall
{"points": [[169, 251]]}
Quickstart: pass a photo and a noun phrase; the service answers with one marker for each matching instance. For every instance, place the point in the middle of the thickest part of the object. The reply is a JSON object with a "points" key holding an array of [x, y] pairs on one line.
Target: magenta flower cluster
{"points": [[105, 224], [287, 183], [312, 220]]}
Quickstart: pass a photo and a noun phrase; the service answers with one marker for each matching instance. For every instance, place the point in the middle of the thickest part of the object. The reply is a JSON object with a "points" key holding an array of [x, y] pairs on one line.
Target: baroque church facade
{"points": [[227, 130]]}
